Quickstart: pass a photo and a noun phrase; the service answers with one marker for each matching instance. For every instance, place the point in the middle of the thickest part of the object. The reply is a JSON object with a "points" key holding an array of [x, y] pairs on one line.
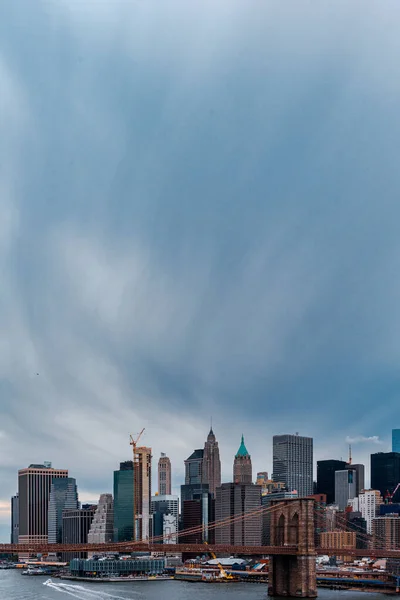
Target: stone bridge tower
{"points": [[292, 524]]}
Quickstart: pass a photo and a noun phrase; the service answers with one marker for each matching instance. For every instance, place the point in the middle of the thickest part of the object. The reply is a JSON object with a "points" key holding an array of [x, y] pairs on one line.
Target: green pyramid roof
{"points": [[242, 449]]}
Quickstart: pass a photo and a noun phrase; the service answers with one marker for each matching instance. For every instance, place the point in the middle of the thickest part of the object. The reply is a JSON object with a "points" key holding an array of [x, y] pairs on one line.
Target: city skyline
{"points": [[201, 226], [178, 476]]}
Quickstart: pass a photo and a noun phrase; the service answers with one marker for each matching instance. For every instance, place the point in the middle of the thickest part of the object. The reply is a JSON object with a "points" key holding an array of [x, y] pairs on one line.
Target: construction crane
{"points": [[136, 492], [224, 574], [389, 496]]}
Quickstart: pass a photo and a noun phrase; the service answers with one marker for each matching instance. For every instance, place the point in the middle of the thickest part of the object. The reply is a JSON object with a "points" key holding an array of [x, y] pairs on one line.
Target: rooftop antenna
{"points": [[349, 454]]}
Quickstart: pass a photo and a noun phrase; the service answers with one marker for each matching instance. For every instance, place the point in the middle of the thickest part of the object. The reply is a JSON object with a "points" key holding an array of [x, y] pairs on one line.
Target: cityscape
{"points": [[237, 514], [199, 299]]}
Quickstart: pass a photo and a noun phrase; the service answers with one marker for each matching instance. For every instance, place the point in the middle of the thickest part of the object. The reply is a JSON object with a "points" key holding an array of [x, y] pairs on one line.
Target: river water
{"points": [[14, 586]]}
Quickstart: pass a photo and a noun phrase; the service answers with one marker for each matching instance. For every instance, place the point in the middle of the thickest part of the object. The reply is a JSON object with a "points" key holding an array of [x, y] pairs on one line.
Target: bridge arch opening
{"points": [[280, 531], [294, 530]]}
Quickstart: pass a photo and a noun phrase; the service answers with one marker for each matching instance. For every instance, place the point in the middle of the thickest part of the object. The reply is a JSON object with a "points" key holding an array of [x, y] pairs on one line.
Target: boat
{"points": [[32, 572]]}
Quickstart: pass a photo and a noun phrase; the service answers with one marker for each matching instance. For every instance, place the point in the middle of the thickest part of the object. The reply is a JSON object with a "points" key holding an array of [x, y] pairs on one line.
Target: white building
{"points": [[170, 529], [102, 527], [369, 502]]}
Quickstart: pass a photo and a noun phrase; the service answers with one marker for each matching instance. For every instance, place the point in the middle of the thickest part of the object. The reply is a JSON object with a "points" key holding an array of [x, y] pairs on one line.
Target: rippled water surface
{"points": [[14, 586]]}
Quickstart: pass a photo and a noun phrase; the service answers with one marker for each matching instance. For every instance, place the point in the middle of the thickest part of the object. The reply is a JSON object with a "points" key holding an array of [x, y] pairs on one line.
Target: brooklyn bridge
{"points": [[294, 526]]}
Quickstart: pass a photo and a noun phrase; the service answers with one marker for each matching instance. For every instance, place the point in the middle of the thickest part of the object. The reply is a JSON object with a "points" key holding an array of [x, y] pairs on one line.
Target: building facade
{"points": [[167, 504], [386, 532], [345, 487], [326, 470], [238, 500], [211, 467], [143, 497], [293, 463], [75, 528], [34, 485], [385, 471], [63, 496], [360, 476], [343, 540], [194, 468], [396, 440], [123, 502], [102, 526], [369, 502], [242, 467], [198, 512], [164, 475], [14, 519]]}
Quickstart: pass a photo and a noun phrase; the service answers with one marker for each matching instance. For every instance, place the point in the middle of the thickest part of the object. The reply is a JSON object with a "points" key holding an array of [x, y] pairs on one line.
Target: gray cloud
{"points": [[199, 212], [358, 439]]}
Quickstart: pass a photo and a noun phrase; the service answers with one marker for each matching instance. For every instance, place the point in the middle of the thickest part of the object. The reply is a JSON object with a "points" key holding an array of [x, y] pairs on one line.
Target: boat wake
{"points": [[82, 593]]}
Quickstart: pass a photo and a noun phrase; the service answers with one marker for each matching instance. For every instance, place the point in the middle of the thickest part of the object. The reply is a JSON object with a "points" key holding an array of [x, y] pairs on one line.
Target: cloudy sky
{"points": [[199, 216]]}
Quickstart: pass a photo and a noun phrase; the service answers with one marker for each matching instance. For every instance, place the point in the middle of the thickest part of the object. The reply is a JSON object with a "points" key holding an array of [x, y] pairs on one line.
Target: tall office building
{"points": [[102, 527], [123, 502], [360, 480], [396, 440], [198, 512], [326, 470], [237, 500], [385, 471], [194, 468], [293, 463], [14, 519], [164, 475], [143, 497], [211, 468], [386, 532], [167, 504], [345, 487], [63, 496], [369, 502], [76, 525], [34, 485], [165, 518], [242, 468]]}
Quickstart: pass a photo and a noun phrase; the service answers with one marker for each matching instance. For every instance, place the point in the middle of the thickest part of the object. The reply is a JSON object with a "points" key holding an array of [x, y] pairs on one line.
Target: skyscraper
{"points": [[102, 527], [143, 497], [123, 502], [326, 477], [345, 487], [194, 468], [242, 468], [237, 500], [34, 485], [395, 440], [164, 475], [369, 502], [75, 528], [385, 471], [165, 515], [360, 481], [14, 519], [293, 463], [63, 496], [211, 468]]}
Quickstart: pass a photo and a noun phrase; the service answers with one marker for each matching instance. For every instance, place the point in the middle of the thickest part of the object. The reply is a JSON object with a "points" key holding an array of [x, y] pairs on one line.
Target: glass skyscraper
{"points": [[395, 440], [293, 463], [123, 502], [63, 496], [385, 471]]}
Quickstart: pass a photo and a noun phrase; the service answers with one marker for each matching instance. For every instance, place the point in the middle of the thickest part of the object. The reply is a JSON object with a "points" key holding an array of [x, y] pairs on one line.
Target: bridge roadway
{"points": [[128, 547]]}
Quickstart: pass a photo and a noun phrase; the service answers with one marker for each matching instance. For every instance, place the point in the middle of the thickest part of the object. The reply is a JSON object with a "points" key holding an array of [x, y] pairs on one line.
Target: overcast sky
{"points": [[199, 216]]}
